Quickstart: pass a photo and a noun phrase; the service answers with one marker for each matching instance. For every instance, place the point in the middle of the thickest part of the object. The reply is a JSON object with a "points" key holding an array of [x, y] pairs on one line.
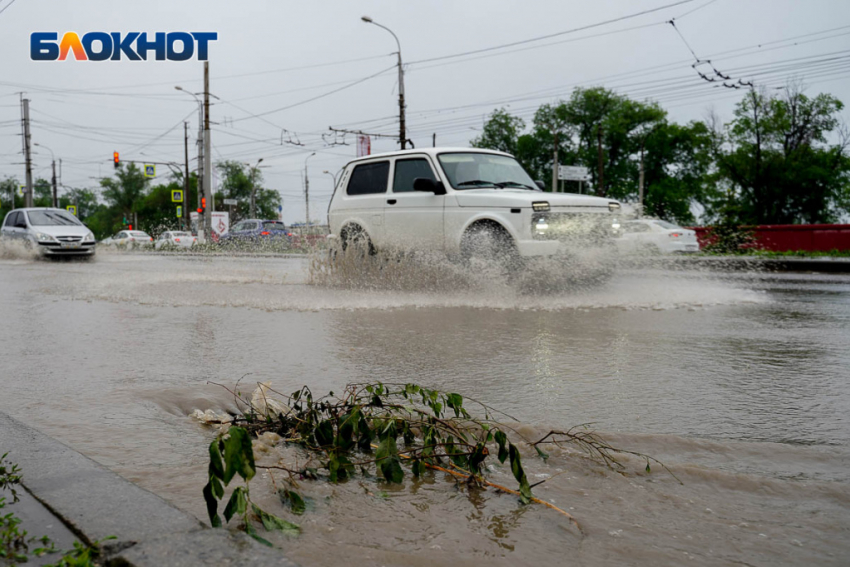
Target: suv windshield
{"points": [[52, 218], [475, 170]]}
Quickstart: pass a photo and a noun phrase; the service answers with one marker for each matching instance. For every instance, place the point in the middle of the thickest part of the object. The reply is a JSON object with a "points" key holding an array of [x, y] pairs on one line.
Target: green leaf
{"points": [[417, 468], [217, 488], [212, 505], [324, 434], [502, 440], [238, 455], [541, 454], [237, 505], [388, 461], [216, 468], [647, 467], [249, 529], [294, 500], [455, 401], [519, 474], [273, 523]]}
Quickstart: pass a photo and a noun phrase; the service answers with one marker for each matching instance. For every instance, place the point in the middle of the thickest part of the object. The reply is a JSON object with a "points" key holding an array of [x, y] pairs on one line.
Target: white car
{"points": [[175, 239], [651, 235], [53, 232], [129, 239], [466, 202]]}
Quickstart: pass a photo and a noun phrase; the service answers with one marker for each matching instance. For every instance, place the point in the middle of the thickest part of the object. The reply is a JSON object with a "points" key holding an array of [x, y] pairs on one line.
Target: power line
{"points": [[6, 7], [549, 36]]}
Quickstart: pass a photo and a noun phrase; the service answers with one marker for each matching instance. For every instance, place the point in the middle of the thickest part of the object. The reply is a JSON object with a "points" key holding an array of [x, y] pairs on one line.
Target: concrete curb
{"points": [[95, 503]]}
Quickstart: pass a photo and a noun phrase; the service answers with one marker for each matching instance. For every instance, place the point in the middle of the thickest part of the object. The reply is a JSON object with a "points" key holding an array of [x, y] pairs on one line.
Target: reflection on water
{"points": [[739, 382]]}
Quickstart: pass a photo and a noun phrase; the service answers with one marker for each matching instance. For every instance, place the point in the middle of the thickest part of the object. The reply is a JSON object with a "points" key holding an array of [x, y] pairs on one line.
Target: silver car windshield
{"points": [[52, 218], [476, 170]]}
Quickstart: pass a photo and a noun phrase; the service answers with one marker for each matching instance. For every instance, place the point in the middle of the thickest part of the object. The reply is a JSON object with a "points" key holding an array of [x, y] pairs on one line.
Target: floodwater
{"points": [[739, 383]]}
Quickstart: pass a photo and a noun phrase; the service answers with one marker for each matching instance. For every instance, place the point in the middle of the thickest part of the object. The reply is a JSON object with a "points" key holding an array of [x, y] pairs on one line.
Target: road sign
{"points": [[150, 170], [176, 195], [231, 202], [572, 173], [21, 190], [72, 209], [179, 212]]}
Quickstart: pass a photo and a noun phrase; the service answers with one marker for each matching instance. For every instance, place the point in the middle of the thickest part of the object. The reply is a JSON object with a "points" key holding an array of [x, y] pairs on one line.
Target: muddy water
{"points": [[738, 382]]}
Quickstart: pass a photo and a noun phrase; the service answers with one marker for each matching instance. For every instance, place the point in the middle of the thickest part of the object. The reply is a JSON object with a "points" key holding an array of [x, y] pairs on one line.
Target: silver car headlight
{"points": [[89, 237], [44, 237]]}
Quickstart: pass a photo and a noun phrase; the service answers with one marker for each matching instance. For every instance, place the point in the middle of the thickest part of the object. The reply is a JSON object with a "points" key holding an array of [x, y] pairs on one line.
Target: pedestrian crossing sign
{"points": [[72, 209], [150, 170], [176, 195]]}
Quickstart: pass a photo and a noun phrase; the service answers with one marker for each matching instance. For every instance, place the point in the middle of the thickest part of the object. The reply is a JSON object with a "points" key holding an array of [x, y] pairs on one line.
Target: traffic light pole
{"points": [[185, 202], [207, 154]]}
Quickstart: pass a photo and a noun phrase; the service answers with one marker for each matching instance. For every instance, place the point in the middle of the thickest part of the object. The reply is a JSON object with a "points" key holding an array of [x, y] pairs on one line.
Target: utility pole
{"points": [[307, 191], [185, 202], [555, 164], [253, 202], [207, 154], [55, 192], [27, 152], [601, 190]]}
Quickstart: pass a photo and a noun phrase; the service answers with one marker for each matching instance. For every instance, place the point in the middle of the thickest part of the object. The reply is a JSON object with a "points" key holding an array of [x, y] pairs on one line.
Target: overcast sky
{"points": [[272, 55]]}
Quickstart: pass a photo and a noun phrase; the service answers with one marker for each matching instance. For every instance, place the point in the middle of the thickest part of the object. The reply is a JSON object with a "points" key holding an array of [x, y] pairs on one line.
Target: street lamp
{"points": [[55, 190], [401, 133], [253, 189], [332, 176], [307, 190]]}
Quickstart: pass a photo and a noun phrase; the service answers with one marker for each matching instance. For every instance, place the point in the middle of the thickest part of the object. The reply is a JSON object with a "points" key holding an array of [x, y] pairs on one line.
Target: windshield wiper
{"points": [[517, 184], [479, 182]]}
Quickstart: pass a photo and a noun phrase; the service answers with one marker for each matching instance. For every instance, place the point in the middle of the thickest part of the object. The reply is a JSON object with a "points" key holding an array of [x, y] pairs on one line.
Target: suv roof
{"points": [[431, 152]]}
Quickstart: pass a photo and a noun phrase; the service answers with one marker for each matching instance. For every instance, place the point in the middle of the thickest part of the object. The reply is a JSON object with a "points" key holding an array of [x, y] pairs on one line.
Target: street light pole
{"points": [[207, 157], [253, 188], [402, 136], [307, 191]]}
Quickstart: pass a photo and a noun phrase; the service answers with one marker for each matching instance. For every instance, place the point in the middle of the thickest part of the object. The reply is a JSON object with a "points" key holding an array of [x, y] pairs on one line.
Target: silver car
{"points": [[54, 232]]}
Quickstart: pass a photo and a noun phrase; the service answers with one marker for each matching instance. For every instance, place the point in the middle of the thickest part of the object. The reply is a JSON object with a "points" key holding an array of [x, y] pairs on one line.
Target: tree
{"points": [[122, 194], [501, 132], [779, 162], [236, 183], [9, 198]]}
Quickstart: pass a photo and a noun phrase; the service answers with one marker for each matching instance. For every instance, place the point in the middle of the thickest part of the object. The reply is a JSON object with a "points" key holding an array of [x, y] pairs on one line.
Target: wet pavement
{"points": [[738, 381]]}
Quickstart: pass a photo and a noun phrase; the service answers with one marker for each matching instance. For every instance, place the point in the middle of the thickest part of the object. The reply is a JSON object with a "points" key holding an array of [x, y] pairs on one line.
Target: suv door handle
{"points": [[391, 201]]}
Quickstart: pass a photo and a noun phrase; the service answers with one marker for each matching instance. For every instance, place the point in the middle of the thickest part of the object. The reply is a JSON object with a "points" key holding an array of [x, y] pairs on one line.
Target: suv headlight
{"points": [[44, 237], [89, 237]]}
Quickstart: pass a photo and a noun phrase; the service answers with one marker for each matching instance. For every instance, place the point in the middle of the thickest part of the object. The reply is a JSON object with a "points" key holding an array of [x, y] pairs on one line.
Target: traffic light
{"points": [[115, 160], [203, 206]]}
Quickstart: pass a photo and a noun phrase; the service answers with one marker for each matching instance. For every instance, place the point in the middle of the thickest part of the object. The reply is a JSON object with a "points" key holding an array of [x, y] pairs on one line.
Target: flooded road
{"points": [[740, 383]]}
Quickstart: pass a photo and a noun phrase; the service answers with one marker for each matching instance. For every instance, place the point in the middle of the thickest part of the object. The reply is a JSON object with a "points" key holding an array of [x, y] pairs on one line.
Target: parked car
{"points": [[651, 235], [51, 231], [175, 239], [257, 230], [129, 239], [308, 236], [465, 202]]}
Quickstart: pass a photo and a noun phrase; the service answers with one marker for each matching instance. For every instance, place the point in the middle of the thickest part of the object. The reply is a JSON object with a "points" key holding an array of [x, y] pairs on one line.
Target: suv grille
{"points": [[69, 238], [582, 227]]}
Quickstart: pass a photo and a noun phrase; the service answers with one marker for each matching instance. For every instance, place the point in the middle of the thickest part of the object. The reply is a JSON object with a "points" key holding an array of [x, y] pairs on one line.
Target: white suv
{"points": [[465, 202]]}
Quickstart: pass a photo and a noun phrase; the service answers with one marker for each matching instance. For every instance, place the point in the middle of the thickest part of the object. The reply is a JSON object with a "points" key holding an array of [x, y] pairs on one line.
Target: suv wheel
{"points": [[492, 245], [355, 239]]}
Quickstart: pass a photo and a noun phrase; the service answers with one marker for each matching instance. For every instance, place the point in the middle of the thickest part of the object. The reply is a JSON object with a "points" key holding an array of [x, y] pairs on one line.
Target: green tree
{"points": [[9, 198], [236, 183], [778, 160], [501, 132]]}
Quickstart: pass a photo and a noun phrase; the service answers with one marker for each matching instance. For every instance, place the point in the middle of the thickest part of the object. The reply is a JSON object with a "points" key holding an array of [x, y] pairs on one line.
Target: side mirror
{"points": [[540, 184], [427, 185]]}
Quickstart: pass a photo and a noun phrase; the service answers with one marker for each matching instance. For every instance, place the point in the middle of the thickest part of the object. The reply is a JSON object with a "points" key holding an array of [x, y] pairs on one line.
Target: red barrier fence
{"points": [[786, 237]]}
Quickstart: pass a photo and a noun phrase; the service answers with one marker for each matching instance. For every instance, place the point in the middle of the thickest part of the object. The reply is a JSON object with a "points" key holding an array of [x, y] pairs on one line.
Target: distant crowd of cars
{"points": [[56, 232]]}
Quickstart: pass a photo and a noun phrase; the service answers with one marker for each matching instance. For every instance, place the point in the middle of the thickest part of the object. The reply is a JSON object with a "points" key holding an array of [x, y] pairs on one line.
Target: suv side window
{"points": [[11, 220], [369, 178], [406, 170]]}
